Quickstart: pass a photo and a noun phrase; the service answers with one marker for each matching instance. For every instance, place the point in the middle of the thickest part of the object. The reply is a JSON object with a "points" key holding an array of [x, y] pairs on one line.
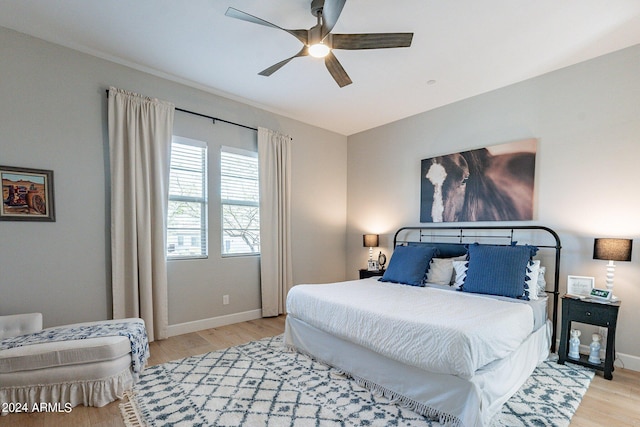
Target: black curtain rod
{"points": [[214, 119]]}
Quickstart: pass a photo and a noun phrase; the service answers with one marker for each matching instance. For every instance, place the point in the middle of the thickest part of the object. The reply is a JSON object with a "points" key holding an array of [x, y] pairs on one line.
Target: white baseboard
{"points": [[213, 322], [627, 361]]}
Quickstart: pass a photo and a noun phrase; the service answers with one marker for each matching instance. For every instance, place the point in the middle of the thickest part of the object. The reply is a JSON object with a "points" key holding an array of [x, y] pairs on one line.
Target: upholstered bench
{"points": [[92, 370]]}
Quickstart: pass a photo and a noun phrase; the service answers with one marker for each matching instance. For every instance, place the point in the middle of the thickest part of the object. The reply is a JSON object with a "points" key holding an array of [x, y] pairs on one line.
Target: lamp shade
{"points": [[612, 249], [370, 240]]}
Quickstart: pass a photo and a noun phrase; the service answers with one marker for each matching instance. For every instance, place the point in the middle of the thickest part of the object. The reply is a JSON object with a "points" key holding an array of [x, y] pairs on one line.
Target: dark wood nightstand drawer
{"points": [[592, 313]]}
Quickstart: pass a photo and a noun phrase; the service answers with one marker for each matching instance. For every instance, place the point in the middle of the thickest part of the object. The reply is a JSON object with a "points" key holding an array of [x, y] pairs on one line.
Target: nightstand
{"points": [[364, 273], [591, 313]]}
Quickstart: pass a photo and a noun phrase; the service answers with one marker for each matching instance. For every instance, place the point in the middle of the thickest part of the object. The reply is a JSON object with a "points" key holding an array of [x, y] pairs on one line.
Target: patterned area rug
{"points": [[260, 384]]}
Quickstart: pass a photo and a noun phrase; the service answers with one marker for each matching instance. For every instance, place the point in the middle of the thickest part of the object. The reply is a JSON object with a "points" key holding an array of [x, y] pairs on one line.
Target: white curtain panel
{"points": [[140, 147], [276, 276]]}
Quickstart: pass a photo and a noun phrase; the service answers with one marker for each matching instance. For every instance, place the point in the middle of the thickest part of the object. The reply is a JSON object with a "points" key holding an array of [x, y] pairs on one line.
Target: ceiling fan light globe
{"points": [[319, 50]]}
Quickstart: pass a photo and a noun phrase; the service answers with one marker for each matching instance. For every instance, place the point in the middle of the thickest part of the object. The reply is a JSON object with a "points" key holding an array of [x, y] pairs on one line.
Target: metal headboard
{"points": [[540, 236]]}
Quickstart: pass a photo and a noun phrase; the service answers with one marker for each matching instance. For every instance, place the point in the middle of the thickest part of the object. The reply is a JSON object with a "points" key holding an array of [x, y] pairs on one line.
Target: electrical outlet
{"points": [[603, 333], [225, 299]]}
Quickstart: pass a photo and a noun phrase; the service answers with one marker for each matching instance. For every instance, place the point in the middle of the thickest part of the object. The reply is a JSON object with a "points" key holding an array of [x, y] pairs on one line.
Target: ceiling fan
{"points": [[319, 41]]}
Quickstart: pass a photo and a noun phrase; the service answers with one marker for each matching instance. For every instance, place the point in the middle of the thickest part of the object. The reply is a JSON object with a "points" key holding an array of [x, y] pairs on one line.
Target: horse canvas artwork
{"points": [[488, 184]]}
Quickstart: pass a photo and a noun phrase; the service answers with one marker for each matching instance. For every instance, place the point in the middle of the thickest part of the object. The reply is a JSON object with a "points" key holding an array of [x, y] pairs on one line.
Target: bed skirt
{"points": [[450, 399], [30, 390]]}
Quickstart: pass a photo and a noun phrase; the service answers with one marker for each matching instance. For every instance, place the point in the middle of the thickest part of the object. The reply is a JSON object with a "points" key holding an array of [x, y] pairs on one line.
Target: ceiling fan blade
{"points": [[275, 67], [238, 14], [330, 13], [371, 41], [337, 72]]}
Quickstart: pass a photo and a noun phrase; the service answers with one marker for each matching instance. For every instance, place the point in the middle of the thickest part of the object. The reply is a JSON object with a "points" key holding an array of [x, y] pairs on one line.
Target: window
{"points": [[187, 213], [239, 196]]}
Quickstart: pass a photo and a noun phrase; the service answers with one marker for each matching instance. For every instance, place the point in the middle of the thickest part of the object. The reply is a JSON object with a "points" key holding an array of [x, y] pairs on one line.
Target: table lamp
{"points": [[370, 241], [612, 250]]}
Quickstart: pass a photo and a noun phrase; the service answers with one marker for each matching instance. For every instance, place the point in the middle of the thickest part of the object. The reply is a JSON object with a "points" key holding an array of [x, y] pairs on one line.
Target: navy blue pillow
{"points": [[498, 270], [408, 265]]}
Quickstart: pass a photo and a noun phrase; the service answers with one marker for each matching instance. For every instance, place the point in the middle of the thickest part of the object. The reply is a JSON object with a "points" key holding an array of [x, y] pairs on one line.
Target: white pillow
{"points": [[533, 270], [542, 284], [460, 268], [440, 271]]}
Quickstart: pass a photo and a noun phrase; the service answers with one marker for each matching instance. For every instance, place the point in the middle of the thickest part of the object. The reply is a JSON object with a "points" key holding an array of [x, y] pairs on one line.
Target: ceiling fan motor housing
{"points": [[316, 7]]}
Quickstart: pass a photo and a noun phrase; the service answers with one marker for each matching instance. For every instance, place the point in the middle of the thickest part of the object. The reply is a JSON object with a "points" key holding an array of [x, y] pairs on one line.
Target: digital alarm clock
{"points": [[601, 294]]}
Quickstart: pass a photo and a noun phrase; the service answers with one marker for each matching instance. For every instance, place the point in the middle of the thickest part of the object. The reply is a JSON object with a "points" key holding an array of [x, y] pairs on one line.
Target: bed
{"points": [[453, 350]]}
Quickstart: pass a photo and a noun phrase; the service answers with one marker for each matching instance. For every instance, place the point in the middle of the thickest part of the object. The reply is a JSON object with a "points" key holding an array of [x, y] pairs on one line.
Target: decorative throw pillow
{"points": [[460, 269], [542, 284], [440, 271], [498, 270], [531, 282], [408, 265]]}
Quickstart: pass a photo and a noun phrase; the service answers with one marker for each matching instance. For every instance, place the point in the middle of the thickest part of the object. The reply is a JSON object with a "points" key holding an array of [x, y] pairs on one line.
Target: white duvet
{"points": [[437, 330]]}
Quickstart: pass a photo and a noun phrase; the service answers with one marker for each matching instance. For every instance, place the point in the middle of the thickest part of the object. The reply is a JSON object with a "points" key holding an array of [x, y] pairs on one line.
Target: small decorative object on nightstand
{"points": [[382, 260], [594, 349], [364, 273], [574, 344], [592, 312]]}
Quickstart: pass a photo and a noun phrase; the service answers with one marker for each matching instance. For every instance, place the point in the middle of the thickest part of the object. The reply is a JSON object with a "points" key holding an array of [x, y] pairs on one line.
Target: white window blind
{"points": [[187, 213], [240, 197]]}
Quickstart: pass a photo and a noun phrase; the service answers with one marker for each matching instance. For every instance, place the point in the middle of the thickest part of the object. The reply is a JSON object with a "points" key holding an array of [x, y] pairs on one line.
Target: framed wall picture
{"points": [[580, 285], [27, 194], [494, 183]]}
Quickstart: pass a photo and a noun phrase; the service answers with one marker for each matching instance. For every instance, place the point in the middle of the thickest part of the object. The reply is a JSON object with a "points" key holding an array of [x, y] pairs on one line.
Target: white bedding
{"points": [[432, 329]]}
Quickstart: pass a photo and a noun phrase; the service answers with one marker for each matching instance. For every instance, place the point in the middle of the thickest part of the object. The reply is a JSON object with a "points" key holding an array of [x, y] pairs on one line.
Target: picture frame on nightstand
{"points": [[580, 286], [372, 265]]}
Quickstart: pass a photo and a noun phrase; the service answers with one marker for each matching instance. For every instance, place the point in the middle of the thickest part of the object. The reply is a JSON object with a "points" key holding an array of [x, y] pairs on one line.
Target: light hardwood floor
{"points": [[613, 403]]}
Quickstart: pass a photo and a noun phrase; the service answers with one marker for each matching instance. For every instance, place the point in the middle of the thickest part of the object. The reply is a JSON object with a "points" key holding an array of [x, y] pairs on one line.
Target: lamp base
{"points": [[611, 270]]}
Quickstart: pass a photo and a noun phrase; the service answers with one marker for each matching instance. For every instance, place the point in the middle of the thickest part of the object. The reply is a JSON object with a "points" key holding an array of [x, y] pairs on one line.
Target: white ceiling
{"points": [[461, 48]]}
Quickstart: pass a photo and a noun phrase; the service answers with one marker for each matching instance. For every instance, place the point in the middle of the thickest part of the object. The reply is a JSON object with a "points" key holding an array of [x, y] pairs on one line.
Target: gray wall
{"points": [[53, 116], [587, 120]]}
